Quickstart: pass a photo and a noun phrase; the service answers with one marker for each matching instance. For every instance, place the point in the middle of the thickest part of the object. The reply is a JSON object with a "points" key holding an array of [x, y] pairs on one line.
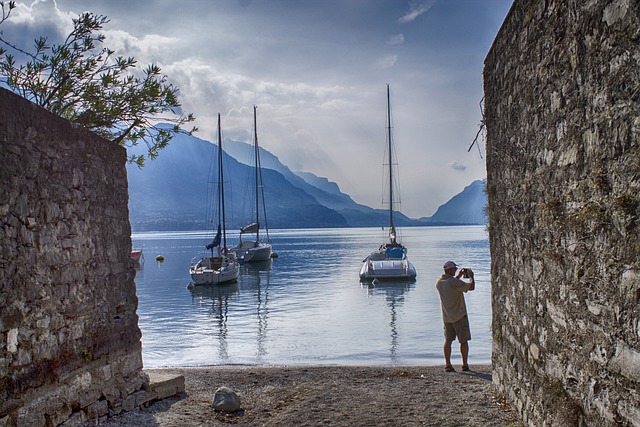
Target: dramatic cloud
{"points": [[317, 72]]}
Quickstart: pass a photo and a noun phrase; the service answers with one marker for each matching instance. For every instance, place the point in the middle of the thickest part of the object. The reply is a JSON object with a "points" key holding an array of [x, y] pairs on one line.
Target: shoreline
{"points": [[330, 395]]}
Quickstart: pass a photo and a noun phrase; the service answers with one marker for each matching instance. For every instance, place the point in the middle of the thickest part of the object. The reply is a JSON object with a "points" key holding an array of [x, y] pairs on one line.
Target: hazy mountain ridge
{"points": [[466, 207], [172, 193]]}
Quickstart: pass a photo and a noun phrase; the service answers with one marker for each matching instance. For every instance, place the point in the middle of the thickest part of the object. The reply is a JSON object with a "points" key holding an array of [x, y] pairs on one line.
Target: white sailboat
{"points": [[390, 261], [255, 250], [222, 266]]}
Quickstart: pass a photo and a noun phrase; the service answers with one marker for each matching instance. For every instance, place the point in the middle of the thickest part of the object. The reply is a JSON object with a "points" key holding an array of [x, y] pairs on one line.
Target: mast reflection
{"points": [[256, 278], [219, 297], [394, 293]]}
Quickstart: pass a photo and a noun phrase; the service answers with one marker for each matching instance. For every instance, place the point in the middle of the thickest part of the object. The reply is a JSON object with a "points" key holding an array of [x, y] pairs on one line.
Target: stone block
{"points": [[165, 385], [97, 409], [77, 419], [129, 403], [144, 396]]}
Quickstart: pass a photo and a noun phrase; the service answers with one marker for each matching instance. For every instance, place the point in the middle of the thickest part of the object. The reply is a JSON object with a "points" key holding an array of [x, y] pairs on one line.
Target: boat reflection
{"points": [[219, 297], [255, 278], [393, 292], [249, 293]]}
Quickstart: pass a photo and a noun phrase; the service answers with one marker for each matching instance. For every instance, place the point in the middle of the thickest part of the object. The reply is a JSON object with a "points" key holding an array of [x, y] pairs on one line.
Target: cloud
{"points": [[457, 166], [319, 90], [387, 61], [398, 39], [416, 9]]}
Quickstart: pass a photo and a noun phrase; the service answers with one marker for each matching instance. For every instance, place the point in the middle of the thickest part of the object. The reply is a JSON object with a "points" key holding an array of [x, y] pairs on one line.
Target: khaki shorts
{"points": [[458, 329]]}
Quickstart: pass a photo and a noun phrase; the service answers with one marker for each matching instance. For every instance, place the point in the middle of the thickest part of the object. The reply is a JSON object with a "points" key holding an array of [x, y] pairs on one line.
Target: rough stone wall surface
{"points": [[562, 109], [70, 349]]}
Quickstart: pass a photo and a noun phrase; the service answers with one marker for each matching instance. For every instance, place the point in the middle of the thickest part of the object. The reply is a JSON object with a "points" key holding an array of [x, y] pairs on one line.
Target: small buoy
{"points": [[274, 255], [160, 258]]}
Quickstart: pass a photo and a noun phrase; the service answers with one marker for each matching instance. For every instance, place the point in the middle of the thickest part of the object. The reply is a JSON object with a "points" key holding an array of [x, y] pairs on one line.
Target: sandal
{"points": [[449, 369], [465, 368]]}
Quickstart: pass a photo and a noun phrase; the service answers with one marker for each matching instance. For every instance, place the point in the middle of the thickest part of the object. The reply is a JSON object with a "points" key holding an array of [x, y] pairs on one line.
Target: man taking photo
{"points": [[454, 311]]}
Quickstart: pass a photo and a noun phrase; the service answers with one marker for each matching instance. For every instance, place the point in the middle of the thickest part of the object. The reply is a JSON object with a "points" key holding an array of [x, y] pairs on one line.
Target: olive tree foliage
{"points": [[86, 84]]}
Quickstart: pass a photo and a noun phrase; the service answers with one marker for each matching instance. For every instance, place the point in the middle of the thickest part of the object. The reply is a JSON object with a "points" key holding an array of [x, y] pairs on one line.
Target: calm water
{"points": [[308, 307]]}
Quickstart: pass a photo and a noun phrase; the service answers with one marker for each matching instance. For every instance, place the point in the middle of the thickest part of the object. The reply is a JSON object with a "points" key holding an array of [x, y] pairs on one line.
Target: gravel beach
{"points": [[330, 396]]}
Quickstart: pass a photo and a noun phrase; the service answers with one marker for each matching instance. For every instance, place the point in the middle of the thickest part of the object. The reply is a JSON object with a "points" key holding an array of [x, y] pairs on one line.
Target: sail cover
{"points": [[251, 228], [216, 240]]}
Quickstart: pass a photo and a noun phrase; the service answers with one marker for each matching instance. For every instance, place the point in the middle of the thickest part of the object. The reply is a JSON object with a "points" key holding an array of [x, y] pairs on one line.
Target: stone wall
{"points": [[70, 349], [562, 104]]}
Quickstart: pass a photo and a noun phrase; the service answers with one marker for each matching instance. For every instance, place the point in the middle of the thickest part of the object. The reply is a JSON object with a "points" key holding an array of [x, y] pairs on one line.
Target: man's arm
{"points": [[471, 282]]}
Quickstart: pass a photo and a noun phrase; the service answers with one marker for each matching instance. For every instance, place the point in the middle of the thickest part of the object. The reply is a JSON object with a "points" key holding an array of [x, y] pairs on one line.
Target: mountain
{"points": [[466, 207], [175, 192]]}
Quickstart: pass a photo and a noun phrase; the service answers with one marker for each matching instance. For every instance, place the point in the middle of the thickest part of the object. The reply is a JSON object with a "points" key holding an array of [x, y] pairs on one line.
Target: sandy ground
{"points": [[331, 396]]}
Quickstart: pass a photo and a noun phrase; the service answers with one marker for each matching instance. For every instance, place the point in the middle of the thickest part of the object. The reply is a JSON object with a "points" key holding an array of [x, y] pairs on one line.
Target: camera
{"points": [[465, 273]]}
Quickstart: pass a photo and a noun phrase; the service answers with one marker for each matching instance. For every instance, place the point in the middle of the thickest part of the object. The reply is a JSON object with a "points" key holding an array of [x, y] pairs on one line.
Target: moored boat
{"points": [[390, 261], [221, 266], [255, 250], [137, 256]]}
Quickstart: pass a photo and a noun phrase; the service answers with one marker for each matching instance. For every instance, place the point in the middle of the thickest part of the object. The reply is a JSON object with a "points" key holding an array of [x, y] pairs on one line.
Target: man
{"points": [[454, 311]]}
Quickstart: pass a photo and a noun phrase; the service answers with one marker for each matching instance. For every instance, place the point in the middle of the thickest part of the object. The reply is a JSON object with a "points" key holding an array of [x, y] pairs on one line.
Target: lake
{"points": [[308, 307]]}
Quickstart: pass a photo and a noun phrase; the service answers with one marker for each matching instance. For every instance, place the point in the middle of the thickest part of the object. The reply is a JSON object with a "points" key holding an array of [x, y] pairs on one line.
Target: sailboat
{"points": [[390, 261], [255, 250], [222, 266]]}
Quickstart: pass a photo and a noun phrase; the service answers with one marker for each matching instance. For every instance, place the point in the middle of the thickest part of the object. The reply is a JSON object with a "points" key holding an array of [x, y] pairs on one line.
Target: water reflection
{"points": [[300, 309], [250, 293], [218, 296], [255, 278], [394, 293]]}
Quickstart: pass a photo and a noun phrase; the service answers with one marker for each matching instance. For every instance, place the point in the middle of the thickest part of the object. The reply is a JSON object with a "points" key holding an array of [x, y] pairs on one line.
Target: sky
{"points": [[317, 70]]}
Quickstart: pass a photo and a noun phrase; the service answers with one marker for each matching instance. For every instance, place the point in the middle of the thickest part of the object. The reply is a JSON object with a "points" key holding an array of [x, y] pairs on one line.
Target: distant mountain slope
{"points": [[173, 191], [327, 193], [466, 207]]}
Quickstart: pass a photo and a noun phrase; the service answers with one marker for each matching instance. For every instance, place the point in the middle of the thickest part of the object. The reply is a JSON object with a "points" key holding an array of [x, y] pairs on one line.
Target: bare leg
{"points": [[464, 350], [447, 353]]}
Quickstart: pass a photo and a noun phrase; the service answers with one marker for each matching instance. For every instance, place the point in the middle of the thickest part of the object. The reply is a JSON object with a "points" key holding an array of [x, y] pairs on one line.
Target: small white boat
{"points": [[390, 261], [214, 270], [255, 250], [222, 266], [137, 256], [252, 250]]}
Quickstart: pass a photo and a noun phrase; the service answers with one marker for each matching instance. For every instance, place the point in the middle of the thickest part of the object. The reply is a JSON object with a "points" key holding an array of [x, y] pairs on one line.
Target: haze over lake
{"points": [[308, 307]]}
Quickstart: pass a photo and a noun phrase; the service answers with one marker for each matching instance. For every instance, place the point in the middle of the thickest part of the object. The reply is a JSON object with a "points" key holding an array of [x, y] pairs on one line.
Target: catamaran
{"points": [[390, 261]]}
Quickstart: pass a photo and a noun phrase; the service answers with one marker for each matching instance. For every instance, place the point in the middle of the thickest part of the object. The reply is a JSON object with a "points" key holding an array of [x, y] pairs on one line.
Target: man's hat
{"points": [[449, 264]]}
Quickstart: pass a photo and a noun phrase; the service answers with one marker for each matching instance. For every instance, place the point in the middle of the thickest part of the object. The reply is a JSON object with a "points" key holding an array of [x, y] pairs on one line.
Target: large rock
{"points": [[226, 400]]}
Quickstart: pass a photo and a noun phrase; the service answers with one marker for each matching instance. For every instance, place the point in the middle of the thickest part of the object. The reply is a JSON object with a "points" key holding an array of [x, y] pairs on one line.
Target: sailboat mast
{"points": [[221, 185], [392, 231], [255, 147]]}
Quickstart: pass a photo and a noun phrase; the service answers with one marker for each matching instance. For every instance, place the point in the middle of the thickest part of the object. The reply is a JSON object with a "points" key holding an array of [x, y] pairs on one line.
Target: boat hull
{"points": [[387, 269], [136, 255], [214, 270], [252, 251]]}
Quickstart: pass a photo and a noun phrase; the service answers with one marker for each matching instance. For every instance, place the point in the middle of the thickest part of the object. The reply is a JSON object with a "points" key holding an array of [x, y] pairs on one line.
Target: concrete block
{"points": [[165, 385]]}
